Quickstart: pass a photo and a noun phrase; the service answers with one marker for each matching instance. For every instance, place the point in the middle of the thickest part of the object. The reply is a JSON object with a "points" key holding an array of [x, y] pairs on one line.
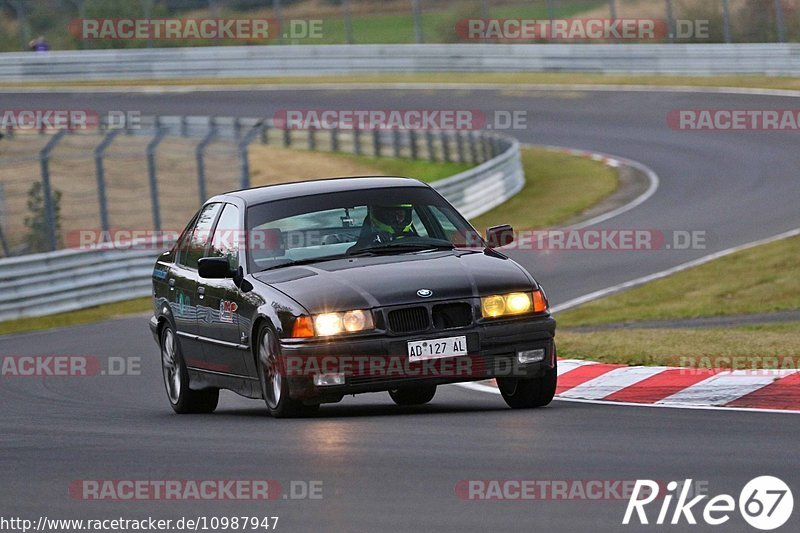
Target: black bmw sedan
{"points": [[302, 293]]}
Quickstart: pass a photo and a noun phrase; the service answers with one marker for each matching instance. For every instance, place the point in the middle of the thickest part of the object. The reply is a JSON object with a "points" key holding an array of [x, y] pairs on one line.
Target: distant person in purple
{"points": [[39, 45]]}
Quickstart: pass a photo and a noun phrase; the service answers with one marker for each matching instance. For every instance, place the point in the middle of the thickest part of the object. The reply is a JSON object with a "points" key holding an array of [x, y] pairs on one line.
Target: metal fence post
{"points": [[412, 143], [670, 21], [376, 143], [99, 154], [184, 126], [237, 128], [460, 147], [244, 178], [152, 146], [287, 136], [612, 6], [199, 155], [396, 142], [429, 145], [348, 22], [726, 21], [356, 141], [276, 11], [4, 243], [779, 22], [486, 147], [264, 131], [312, 139], [444, 140], [334, 139], [551, 13], [473, 149], [416, 8], [22, 22], [47, 190]]}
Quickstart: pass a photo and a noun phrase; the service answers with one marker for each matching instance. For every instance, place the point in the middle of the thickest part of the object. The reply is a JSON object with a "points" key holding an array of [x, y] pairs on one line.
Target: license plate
{"points": [[437, 348]]}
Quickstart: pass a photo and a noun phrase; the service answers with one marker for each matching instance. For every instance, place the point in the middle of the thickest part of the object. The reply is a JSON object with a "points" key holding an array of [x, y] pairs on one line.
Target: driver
{"points": [[385, 223]]}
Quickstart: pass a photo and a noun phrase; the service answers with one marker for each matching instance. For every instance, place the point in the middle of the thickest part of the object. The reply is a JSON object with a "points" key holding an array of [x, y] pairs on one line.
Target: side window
{"points": [[226, 239], [194, 248], [180, 247]]}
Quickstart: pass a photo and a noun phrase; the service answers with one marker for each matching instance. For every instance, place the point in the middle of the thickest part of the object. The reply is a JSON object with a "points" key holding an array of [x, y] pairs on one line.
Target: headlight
{"points": [[328, 324], [515, 303]]}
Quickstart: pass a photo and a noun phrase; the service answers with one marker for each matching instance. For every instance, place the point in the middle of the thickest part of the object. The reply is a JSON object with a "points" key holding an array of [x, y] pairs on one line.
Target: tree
{"points": [[38, 236]]}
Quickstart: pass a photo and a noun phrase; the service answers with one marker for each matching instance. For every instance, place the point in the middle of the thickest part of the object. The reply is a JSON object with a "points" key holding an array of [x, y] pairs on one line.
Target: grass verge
{"points": [[557, 188], [75, 318], [509, 78], [758, 280], [762, 346], [427, 171]]}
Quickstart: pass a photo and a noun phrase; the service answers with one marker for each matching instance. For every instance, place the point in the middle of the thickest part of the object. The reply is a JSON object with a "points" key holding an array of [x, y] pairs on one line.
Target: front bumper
{"points": [[380, 362]]}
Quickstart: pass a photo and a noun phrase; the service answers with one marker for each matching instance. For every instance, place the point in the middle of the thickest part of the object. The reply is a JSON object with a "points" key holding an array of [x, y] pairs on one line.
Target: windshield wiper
{"points": [[400, 247], [308, 261]]}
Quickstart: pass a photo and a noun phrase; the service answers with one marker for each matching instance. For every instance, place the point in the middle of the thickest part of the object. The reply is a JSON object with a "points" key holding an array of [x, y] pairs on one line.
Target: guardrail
{"points": [[66, 280], [315, 60]]}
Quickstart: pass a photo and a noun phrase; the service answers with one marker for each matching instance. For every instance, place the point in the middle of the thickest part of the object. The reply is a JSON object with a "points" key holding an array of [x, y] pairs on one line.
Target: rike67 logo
{"points": [[765, 503]]}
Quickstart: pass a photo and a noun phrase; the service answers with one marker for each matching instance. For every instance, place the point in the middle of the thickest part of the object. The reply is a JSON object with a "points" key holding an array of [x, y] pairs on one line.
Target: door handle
{"points": [[201, 291], [171, 283]]}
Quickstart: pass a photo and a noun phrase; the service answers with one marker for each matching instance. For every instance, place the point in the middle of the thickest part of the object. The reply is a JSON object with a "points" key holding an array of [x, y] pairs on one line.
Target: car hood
{"points": [[378, 281]]}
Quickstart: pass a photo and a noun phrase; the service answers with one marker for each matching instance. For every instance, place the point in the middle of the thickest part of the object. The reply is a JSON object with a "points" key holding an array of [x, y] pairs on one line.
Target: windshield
{"points": [[374, 221]]}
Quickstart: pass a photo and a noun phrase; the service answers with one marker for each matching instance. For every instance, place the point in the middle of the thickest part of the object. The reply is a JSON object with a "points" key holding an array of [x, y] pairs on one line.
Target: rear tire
{"points": [[413, 396], [274, 385], [176, 380], [529, 393]]}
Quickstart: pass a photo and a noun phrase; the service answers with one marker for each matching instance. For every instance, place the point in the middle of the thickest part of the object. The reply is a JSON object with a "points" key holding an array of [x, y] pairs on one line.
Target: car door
{"points": [[218, 301], [182, 282]]}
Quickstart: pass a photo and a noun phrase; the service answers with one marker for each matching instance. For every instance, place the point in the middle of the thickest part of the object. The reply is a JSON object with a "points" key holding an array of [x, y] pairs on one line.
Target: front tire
{"points": [[274, 385], [176, 380], [413, 396], [529, 393]]}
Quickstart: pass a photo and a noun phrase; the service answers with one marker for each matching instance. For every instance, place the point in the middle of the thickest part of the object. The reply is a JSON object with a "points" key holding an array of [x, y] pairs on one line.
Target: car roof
{"points": [[269, 193]]}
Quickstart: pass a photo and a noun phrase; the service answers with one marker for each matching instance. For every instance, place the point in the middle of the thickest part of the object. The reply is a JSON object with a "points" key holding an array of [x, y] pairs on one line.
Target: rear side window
{"points": [[194, 248]]}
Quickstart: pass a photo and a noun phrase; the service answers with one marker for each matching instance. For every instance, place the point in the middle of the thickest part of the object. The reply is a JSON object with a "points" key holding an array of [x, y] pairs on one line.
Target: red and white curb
{"points": [[660, 386]]}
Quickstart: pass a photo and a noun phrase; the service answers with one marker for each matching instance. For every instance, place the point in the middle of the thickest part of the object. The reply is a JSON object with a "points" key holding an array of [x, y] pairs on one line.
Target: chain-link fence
{"points": [[59, 187], [22, 22]]}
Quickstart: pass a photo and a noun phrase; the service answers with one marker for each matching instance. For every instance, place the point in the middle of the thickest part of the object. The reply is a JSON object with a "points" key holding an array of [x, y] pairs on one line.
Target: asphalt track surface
{"points": [[385, 467]]}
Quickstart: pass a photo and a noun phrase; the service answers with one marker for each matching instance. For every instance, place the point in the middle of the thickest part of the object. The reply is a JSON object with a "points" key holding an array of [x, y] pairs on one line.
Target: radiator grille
{"points": [[409, 319]]}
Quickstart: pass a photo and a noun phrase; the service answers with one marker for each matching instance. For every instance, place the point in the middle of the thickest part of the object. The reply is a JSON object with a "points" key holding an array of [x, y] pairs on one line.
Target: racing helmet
{"points": [[397, 216]]}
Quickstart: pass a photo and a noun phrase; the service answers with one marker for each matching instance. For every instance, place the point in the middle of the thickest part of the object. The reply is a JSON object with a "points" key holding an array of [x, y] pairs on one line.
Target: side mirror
{"points": [[499, 236], [214, 268]]}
